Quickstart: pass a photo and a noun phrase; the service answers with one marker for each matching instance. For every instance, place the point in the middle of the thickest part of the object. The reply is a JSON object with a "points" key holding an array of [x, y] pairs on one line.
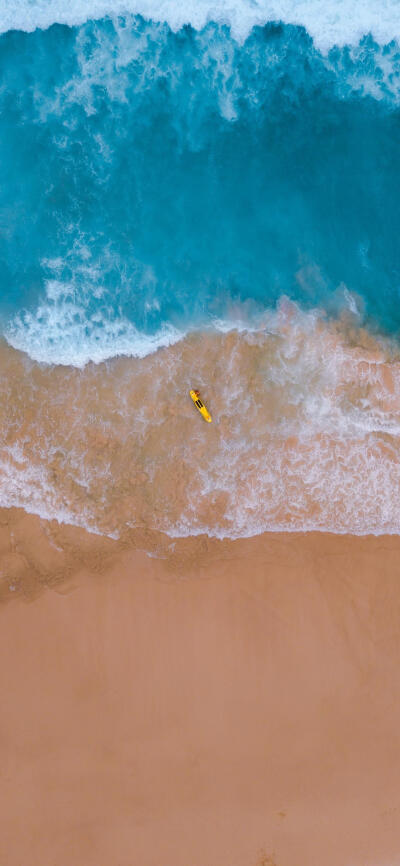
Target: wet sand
{"points": [[305, 434], [230, 704]]}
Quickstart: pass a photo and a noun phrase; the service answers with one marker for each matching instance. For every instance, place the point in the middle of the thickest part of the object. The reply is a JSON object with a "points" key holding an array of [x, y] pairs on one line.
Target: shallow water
{"points": [[200, 206], [305, 434]]}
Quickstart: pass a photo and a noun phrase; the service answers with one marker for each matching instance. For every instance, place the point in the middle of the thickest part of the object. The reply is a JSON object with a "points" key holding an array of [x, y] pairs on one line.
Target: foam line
{"points": [[117, 339], [305, 434], [337, 22]]}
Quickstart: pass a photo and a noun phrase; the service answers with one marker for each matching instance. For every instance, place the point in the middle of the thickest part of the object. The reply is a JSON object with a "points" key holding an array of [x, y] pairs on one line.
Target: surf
{"points": [[166, 178], [209, 205], [329, 23], [305, 433]]}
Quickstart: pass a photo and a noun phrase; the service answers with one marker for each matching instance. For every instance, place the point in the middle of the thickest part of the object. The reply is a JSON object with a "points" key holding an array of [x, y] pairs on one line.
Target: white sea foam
{"points": [[64, 329], [305, 434], [63, 334], [335, 22], [28, 486]]}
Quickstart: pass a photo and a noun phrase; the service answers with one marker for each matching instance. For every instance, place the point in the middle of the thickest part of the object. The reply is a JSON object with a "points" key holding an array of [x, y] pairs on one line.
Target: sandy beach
{"points": [[199, 622], [213, 704]]}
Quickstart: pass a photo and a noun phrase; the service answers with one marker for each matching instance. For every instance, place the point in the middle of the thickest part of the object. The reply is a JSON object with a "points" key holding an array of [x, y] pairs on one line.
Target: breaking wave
{"points": [[212, 206], [331, 23]]}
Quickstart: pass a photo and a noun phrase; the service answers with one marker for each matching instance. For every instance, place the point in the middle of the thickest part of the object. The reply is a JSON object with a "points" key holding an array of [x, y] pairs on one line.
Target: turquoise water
{"points": [[153, 181], [200, 197]]}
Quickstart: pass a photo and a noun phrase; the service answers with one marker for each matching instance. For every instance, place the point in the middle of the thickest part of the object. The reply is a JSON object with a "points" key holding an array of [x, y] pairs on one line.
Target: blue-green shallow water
{"points": [[153, 180]]}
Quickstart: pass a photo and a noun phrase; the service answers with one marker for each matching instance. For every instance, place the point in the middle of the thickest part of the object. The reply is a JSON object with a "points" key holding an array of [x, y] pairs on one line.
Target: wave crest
{"points": [[337, 22]]}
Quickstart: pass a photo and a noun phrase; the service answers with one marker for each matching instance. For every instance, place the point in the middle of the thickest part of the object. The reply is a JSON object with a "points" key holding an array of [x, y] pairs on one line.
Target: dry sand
{"points": [[230, 704]]}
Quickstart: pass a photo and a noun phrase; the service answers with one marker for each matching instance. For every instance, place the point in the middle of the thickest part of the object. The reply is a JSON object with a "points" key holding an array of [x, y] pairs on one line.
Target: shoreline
{"points": [[232, 704], [121, 444], [38, 555]]}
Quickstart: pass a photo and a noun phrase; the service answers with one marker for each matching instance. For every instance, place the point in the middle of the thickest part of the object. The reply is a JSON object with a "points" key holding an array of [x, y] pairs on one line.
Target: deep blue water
{"points": [[153, 178]]}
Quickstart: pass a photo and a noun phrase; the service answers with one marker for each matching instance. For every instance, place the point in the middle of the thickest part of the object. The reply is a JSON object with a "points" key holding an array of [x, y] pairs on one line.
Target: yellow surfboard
{"points": [[195, 395]]}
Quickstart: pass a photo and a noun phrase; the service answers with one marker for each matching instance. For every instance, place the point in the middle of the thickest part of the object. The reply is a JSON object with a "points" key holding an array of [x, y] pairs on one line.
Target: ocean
{"points": [[204, 197]]}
